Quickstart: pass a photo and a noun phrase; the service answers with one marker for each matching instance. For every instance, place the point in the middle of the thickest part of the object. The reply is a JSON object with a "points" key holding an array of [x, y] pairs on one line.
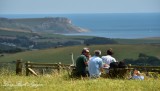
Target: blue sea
{"points": [[110, 25]]}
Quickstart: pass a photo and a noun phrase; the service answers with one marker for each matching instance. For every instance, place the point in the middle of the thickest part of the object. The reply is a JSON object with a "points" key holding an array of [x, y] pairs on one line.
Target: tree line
{"points": [[144, 60]]}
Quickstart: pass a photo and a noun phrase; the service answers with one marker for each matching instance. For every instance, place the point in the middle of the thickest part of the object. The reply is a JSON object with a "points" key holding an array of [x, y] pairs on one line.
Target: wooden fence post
{"points": [[129, 65], [43, 72], [130, 71], [19, 66], [59, 67], [27, 66]]}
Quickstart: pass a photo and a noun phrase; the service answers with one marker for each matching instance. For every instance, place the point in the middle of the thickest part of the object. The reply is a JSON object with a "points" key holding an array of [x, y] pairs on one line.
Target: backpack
{"points": [[114, 65], [122, 64]]}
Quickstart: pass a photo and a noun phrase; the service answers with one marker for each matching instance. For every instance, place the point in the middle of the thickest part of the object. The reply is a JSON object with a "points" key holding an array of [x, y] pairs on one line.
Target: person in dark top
{"points": [[82, 63]]}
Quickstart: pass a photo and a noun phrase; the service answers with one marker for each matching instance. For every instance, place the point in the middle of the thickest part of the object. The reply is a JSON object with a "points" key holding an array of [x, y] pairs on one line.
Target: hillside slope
{"points": [[63, 54]]}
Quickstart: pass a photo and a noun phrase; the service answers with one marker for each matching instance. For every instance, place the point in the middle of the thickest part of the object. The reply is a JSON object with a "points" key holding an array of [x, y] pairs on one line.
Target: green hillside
{"points": [[63, 54], [154, 40], [14, 33]]}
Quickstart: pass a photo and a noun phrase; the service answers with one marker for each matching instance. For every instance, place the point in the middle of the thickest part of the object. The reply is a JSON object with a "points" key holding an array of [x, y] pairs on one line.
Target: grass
{"points": [[61, 82], [153, 40], [14, 33], [63, 54]]}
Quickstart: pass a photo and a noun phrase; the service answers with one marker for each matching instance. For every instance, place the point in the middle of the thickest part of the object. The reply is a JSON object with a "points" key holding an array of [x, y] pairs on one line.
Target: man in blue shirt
{"points": [[95, 65]]}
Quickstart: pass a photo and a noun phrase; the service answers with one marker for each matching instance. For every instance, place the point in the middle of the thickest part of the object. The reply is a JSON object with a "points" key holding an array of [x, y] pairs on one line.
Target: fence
{"points": [[30, 65], [127, 72], [146, 68]]}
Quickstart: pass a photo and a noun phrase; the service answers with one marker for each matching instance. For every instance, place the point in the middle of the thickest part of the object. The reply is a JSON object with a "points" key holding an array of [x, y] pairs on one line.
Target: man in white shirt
{"points": [[108, 59], [95, 65]]}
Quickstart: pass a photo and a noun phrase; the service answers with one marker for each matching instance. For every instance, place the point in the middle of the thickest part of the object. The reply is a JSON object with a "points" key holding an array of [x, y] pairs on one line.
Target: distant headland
{"points": [[48, 24]]}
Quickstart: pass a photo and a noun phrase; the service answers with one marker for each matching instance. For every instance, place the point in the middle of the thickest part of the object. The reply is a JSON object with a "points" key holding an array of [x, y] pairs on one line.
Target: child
{"points": [[137, 75]]}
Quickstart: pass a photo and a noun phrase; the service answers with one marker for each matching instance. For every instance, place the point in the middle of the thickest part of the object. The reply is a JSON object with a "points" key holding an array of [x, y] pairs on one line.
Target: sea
{"points": [[109, 25]]}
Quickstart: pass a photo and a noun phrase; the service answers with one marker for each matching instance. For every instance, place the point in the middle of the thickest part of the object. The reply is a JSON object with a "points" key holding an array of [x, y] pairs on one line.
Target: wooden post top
{"points": [[19, 60]]}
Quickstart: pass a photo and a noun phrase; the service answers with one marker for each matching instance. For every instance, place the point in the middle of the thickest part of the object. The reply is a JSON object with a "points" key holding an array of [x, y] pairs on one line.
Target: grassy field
{"points": [[14, 33], [63, 54], [62, 82], [154, 40]]}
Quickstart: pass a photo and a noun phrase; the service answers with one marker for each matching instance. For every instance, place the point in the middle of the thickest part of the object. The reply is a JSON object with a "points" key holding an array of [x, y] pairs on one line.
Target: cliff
{"points": [[48, 24]]}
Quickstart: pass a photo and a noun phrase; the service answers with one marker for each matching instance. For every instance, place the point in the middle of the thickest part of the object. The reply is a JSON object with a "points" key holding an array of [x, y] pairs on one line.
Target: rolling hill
{"points": [[63, 54]]}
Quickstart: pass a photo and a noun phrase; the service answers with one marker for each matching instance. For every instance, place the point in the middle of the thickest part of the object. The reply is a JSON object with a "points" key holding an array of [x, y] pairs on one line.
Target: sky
{"points": [[78, 6]]}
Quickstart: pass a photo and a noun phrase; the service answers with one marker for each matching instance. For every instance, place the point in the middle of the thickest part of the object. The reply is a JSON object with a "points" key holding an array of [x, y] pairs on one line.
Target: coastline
{"points": [[109, 25]]}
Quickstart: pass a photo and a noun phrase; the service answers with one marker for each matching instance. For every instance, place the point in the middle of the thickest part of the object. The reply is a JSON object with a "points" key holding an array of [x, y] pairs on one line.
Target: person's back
{"points": [[81, 63], [108, 58], [95, 65]]}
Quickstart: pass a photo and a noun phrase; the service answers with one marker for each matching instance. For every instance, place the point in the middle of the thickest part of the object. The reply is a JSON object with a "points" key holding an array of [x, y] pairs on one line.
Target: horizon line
{"points": [[88, 13]]}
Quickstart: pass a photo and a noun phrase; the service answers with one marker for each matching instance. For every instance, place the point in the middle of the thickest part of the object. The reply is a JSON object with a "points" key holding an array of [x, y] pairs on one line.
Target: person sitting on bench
{"points": [[108, 59]]}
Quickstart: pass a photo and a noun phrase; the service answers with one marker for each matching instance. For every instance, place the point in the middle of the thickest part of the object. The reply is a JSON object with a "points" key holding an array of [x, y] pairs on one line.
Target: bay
{"points": [[110, 25]]}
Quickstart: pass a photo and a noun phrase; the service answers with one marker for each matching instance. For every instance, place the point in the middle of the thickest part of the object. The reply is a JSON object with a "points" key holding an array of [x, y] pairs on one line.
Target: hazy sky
{"points": [[78, 6]]}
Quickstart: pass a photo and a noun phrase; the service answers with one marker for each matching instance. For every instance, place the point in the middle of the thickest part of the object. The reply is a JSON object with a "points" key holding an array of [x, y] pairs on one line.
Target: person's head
{"points": [[109, 51], [97, 52], [85, 52], [135, 71], [138, 73]]}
